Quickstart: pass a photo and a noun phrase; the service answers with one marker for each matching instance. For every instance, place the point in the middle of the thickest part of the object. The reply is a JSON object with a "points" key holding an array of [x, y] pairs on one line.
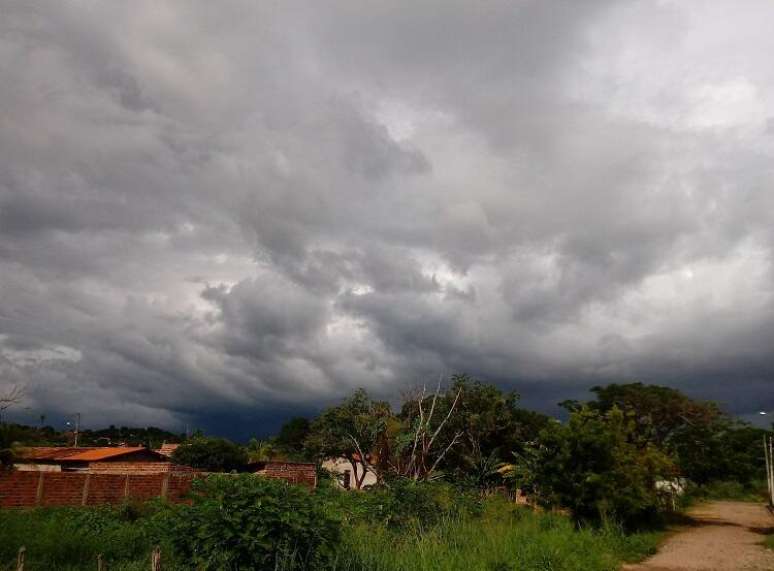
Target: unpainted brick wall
{"points": [[137, 467], [27, 489], [304, 474]]}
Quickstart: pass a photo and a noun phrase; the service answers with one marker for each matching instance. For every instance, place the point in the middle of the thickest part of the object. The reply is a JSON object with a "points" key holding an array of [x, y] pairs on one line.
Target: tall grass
{"points": [[69, 539], [503, 539], [500, 537]]}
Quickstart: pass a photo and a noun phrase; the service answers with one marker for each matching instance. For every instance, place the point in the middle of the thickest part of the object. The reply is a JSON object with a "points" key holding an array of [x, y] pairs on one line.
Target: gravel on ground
{"points": [[720, 536]]}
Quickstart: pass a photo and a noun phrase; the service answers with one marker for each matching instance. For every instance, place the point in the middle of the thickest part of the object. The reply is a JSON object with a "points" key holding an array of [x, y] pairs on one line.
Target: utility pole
{"points": [[77, 427]]}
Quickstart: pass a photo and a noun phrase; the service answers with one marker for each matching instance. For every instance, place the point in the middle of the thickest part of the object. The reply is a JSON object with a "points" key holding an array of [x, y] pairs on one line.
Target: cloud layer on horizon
{"points": [[237, 208]]}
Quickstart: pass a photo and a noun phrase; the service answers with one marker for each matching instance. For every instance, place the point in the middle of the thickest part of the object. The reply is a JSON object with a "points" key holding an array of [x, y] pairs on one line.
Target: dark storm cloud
{"points": [[212, 213]]}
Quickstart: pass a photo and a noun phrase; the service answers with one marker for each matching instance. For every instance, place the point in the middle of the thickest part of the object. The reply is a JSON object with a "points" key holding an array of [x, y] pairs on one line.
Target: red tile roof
{"points": [[96, 454], [49, 453], [71, 454]]}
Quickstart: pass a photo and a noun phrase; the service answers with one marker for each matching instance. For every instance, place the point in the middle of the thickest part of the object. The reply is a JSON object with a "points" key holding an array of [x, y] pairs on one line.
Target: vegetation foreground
{"points": [[633, 455], [250, 523]]}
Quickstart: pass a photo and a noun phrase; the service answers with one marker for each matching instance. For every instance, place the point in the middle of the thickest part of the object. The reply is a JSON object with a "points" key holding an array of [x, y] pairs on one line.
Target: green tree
{"points": [[705, 442], [210, 454], [10, 435], [661, 414], [352, 430], [485, 427], [261, 450], [292, 435], [595, 466]]}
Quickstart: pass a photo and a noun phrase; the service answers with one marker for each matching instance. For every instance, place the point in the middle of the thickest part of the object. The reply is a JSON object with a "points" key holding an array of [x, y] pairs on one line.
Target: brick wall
{"points": [[28, 489], [18, 489], [304, 474], [136, 468]]}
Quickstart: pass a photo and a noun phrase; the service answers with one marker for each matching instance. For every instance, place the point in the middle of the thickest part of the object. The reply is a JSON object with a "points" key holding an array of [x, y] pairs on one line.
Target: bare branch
{"points": [[437, 460], [435, 398], [419, 429], [448, 416], [14, 396]]}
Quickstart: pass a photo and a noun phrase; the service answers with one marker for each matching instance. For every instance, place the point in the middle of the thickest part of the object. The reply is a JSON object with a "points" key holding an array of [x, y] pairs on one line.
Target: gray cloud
{"points": [[213, 211]]}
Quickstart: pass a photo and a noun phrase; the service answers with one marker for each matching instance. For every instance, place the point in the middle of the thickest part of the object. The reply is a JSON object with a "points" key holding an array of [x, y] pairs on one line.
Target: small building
{"points": [[342, 469], [303, 473], [167, 449], [71, 459]]}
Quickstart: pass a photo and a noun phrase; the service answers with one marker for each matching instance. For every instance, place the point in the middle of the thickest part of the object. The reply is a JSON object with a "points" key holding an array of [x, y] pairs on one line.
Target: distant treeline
{"points": [[621, 454], [150, 436]]}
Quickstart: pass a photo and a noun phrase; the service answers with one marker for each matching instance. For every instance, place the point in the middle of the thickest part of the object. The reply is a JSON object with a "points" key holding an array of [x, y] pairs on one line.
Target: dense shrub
{"points": [[405, 503], [244, 522], [210, 454], [594, 466]]}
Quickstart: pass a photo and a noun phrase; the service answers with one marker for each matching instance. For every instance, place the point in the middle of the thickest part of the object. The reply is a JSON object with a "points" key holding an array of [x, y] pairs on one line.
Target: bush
{"points": [[247, 522], [405, 503], [595, 466], [210, 454]]}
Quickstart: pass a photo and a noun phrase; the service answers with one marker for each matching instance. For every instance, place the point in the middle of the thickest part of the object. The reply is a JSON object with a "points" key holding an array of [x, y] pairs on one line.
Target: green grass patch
{"points": [[504, 538], [492, 536], [751, 492]]}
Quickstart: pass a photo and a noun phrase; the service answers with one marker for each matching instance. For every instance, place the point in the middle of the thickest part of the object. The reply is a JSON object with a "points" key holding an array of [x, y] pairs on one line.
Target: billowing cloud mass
{"points": [[221, 213]]}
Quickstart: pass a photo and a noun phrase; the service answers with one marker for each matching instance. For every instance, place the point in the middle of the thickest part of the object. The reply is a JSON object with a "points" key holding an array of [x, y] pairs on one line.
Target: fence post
{"points": [[771, 471], [85, 490], [165, 485], [100, 563], [20, 558], [39, 491], [768, 467], [156, 559]]}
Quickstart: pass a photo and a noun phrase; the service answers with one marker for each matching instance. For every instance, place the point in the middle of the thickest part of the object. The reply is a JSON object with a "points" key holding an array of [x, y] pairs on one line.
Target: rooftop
{"points": [[72, 454]]}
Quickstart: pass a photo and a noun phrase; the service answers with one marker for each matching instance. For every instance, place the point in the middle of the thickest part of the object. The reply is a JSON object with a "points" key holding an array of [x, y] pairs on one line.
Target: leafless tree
{"points": [[426, 452], [10, 397]]}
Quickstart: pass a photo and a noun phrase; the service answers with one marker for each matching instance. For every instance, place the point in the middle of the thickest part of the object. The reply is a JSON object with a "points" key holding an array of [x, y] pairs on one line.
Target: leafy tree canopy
{"points": [[210, 454], [292, 435], [593, 466], [351, 430]]}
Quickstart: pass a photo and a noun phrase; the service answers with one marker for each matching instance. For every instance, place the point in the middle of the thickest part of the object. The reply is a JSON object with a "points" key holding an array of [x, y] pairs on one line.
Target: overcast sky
{"points": [[224, 213]]}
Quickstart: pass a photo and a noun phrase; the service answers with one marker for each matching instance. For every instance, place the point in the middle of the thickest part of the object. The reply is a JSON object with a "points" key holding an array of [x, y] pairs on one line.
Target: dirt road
{"points": [[722, 536]]}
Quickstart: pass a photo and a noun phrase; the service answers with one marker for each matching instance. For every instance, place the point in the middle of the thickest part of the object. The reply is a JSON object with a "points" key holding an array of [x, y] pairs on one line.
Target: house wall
{"points": [[30, 467], [341, 465]]}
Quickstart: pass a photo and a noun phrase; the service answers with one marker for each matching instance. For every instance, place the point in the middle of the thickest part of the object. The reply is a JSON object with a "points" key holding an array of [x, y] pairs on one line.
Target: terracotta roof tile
{"points": [[72, 454], [96, 454], [49, 453]]}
